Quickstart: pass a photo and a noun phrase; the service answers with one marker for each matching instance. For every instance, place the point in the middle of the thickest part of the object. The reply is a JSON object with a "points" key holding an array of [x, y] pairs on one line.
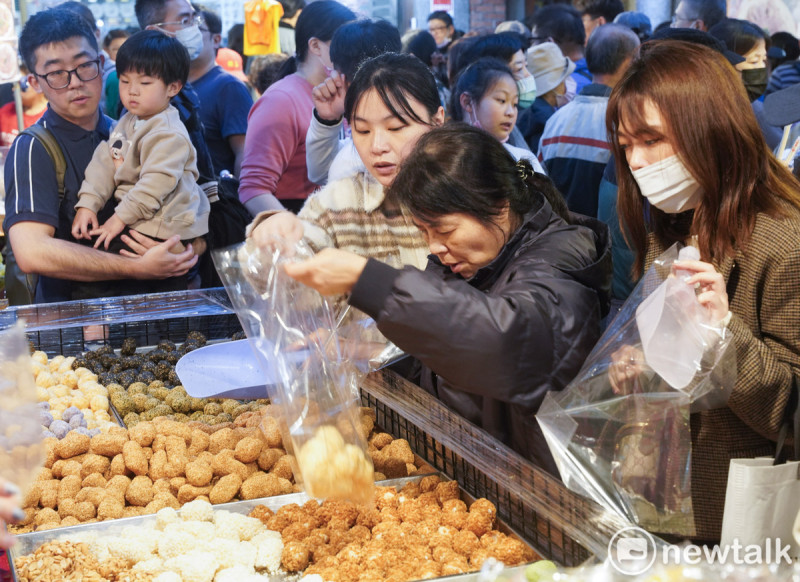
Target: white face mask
{"points": [[191, 38], [668, 185], [527, 91]]}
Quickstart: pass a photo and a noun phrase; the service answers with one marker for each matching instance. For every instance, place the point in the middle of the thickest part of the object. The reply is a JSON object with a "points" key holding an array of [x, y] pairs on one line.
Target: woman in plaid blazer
{"points": [[691, 159]]}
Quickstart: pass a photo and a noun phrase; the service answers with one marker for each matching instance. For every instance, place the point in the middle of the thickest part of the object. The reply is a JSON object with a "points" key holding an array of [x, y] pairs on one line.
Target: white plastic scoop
{"points": [[228, 370]]}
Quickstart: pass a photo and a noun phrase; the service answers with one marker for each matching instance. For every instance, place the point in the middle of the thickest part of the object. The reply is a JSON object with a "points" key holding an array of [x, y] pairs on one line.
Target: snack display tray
{"points": [[560, 524], [29, 542]]}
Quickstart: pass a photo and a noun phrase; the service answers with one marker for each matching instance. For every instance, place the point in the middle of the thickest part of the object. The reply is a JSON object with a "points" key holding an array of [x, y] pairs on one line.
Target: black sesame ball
{"points": [[173, 357], [157, 355], [162, 370], [197, 337], [167, 345], [239, 335], [145, 377], [80, 362], [148, 366], [128, 346], [105, 349], [109, 360]]}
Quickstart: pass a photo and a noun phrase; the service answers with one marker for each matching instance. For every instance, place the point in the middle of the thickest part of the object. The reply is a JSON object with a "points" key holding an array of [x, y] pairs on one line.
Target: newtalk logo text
{"points": [[633, 551]]}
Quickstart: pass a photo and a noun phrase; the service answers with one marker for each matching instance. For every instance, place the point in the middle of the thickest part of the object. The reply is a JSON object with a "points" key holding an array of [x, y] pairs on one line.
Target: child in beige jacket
{"points": [[148, 164]]}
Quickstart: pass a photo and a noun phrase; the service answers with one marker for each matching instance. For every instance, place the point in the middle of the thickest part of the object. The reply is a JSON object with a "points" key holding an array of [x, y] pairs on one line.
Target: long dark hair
{"points": [[457, 168], [715, 134], [397, 78], [320, 20]]}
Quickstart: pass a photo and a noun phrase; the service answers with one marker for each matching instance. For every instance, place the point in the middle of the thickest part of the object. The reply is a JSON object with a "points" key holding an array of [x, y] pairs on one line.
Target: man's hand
{"points": [[331, 271], [328, 97], [155, 261], [85, 221], [112, 228]]}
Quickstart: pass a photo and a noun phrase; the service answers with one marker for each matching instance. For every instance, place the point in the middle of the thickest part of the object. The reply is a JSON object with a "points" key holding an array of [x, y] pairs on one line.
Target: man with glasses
{"points": [[225, 101], [62, 54], [699, 14]]}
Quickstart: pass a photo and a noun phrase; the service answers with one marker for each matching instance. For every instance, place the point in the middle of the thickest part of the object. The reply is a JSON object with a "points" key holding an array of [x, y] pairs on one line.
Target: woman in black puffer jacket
{"points": [[511, 301]]}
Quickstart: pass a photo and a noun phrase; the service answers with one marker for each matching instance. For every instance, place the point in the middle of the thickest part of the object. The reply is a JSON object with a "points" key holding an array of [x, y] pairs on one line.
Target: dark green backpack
{"points": [[20, 286]]}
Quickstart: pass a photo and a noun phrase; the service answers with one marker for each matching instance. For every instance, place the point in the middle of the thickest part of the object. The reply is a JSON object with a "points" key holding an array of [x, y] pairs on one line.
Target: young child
{"points": [[148, 163]]}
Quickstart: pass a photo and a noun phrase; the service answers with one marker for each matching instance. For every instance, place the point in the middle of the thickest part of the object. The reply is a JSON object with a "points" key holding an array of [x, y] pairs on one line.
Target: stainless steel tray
{"points": [[30, 542]]}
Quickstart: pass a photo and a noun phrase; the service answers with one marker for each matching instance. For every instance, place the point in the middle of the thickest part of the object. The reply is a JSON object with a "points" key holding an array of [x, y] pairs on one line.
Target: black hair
{"points": [[608, 9], [421, 44], [49, 26], [397, 78], [608, 48], [155, 54], [81, 10], [739, 36], [290, 7], [113, 35], [212, 19], [457, 168], [357, 41], [501, 46], [264, 70], [790, 45], [709, 11], [476, 80], [149, 11], [441, 15], [560, 22], [320, 20]]}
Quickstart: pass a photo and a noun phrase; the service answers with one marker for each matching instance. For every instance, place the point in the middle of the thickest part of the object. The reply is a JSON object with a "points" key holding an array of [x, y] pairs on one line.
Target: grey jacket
{"points": [[493, 346]]}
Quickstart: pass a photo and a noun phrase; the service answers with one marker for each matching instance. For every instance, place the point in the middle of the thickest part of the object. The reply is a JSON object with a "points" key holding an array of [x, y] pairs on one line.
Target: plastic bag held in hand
{"points": [[22, 450], [317, 394], [619, 432], [673, 327]]}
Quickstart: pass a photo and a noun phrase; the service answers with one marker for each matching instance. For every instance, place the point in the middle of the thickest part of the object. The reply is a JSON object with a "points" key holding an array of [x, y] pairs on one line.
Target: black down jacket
{"points": [[492, 346]]}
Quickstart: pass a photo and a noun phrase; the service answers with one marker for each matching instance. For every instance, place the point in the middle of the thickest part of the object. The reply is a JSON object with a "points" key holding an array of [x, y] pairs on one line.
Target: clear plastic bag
{"points": [[292, 329], [22, 450], [620, 431]]}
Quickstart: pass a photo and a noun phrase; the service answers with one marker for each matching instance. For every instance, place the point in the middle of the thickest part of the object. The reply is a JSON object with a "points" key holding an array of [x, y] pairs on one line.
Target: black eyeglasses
{"points": [[60, 79]]}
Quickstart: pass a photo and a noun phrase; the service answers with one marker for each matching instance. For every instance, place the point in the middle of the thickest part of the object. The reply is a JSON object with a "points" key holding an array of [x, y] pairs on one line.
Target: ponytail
{"points": [[289, 67], [531, 183]]}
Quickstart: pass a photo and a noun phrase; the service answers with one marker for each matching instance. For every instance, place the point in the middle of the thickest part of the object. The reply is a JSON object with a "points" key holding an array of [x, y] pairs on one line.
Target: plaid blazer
{"points": [[763, 285]]}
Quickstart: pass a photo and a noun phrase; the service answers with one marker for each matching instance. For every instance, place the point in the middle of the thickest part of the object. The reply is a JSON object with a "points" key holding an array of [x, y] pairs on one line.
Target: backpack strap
{"points": [[48, 140]]}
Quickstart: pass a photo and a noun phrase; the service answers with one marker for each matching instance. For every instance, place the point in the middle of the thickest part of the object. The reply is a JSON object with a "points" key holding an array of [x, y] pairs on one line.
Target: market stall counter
{"points": [[555, 522]]}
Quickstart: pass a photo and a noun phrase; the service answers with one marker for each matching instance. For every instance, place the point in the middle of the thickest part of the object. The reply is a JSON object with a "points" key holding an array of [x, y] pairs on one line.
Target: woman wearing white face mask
{"points": [[274, 173], [693, 162], [551, 69]]}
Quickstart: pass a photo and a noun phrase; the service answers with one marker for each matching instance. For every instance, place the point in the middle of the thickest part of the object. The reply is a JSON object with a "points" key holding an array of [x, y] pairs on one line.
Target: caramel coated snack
{"points": [[334, 469]]}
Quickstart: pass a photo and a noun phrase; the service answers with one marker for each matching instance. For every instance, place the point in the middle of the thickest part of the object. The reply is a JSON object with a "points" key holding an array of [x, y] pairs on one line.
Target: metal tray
{"points": [[30, 542]]}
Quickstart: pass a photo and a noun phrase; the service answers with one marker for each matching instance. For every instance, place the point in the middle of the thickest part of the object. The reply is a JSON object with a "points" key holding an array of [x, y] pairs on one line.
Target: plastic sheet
{"points": [[620, 431], [22, 451], [317, 394]]}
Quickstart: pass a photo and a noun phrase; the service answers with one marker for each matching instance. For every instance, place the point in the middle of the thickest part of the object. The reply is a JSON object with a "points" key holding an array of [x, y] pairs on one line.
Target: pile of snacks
{"points": [[150, 466], [63, 387], [144, 386], [423, 531], [164, 463], [57, 560], [196, 545]]}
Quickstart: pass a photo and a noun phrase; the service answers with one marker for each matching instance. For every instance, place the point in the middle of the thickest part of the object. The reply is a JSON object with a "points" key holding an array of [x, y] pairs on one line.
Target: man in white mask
{"points": [[574, 147]]}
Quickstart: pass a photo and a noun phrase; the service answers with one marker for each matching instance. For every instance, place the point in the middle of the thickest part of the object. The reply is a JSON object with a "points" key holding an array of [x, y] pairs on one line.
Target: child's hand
{"points": [[112, 228], [85, 222]]}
